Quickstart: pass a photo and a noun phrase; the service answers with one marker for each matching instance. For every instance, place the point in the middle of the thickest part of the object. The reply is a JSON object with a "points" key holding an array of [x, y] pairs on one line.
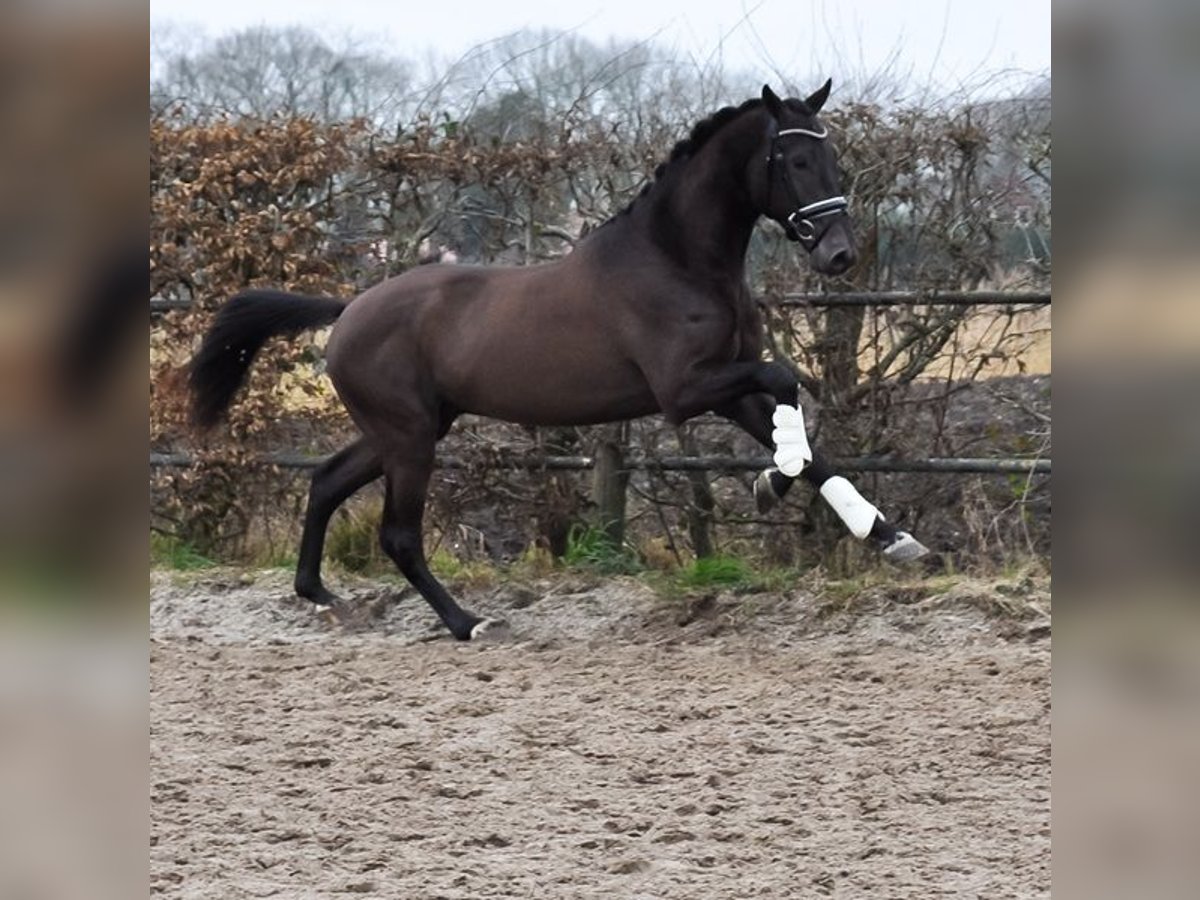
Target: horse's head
{"points": [[795, 181]]}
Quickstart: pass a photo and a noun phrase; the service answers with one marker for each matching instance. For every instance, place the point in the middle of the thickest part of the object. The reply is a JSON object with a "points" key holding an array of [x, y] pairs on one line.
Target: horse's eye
{"points": [[799, 162]]}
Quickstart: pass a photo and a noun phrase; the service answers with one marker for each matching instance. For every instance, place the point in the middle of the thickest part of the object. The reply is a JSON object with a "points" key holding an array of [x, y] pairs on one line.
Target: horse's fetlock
{"points": [[309, 588]]}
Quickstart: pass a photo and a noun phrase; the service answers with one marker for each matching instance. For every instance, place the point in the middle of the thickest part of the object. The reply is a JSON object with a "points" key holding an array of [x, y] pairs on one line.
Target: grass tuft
{"points": [[591, 547], [170, 552], [716, 571]]}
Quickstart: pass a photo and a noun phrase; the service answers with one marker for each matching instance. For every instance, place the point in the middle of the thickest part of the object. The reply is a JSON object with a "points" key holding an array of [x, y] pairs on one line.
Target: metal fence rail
{"points": [[939, 465], [916, 298], [826, 301], [162, 305]]}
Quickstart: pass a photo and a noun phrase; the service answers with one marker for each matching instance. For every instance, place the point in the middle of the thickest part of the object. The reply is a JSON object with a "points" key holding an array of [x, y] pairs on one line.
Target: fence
{"points": [[828, 301], [918, 298], [953, 465], [611, 465], [946, 465]]}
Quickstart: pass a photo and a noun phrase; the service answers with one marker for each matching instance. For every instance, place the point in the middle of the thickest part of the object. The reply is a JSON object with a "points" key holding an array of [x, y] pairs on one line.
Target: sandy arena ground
{"points": [[615, 745]]}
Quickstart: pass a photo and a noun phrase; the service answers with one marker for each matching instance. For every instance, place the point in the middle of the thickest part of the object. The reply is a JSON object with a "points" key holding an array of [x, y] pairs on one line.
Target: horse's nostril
{"points": [[842, 260]]}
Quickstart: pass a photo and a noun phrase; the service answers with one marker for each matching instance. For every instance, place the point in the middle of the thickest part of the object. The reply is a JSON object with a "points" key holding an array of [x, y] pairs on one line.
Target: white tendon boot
{"points": [[792, 452], [852, 508], [859, 515]]}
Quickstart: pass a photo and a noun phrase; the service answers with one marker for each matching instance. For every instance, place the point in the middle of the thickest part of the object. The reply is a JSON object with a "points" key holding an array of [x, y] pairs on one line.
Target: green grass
{"points": [[591, 547], [716, 571], [170, 552], [729, 573]]}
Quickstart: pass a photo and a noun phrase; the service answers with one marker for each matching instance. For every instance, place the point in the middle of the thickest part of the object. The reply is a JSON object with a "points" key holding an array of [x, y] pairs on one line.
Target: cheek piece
{"points": [[802, 224]]}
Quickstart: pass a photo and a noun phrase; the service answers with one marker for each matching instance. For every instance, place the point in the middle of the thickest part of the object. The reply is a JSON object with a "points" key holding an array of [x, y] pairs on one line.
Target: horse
{"points": [[650, 313]]}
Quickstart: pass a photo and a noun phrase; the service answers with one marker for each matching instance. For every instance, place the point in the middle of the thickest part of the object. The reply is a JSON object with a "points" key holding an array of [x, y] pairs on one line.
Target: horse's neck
{"points": [[703, 218]]}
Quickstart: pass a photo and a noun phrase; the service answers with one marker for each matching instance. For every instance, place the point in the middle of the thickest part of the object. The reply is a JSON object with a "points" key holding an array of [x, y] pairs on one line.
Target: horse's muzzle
{"points": [[835, 252]]}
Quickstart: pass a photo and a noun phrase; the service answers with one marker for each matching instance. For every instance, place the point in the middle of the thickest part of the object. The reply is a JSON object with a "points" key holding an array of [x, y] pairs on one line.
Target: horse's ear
{"points": [[774, 104], [817, 100]]}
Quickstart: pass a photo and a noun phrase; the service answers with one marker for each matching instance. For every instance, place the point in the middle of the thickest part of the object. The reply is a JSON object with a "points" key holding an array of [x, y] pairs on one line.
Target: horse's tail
{"points": [[242, 326]]}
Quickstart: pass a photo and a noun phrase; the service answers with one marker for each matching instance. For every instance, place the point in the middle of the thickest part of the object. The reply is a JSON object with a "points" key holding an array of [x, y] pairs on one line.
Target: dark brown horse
{"points": [[650, 313]]}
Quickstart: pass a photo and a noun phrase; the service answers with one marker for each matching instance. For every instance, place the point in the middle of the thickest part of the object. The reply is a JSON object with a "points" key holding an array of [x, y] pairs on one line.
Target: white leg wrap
{"points": [[850, 505], [792, 452]]}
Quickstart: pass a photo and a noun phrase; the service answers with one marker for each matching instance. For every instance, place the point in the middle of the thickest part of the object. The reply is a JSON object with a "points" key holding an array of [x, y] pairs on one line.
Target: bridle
{"points": [[800, 225]]}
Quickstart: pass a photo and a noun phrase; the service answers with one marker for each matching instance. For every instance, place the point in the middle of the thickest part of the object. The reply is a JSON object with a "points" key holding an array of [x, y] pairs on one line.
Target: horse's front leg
{"points": [[759, 415], [696, 391], [737, 390]]}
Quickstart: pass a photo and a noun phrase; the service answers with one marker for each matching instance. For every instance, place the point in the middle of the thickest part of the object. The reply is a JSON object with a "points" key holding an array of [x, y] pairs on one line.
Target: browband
{"points": [[819, 135]]}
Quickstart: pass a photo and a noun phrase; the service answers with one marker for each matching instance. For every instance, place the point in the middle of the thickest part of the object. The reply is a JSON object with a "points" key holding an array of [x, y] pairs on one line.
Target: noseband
{"points": [[800, 225]]}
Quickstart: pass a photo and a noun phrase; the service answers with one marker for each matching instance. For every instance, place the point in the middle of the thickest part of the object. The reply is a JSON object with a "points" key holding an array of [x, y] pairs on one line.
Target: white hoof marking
{"points": [[489, 628]]}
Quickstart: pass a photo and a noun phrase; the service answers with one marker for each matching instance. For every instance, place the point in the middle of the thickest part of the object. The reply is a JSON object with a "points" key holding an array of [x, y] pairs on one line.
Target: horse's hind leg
{"points": [[754, 414], [333, 483], [407, 475]]}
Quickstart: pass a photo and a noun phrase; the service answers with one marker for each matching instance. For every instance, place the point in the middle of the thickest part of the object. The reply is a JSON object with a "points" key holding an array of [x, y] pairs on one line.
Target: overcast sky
{"points": [[942, 43]]}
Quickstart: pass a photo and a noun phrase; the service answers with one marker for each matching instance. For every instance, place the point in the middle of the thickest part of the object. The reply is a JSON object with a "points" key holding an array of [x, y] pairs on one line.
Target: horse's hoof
{"points": [[905, 548], [766, 494], [490, 630], [318, 596]]}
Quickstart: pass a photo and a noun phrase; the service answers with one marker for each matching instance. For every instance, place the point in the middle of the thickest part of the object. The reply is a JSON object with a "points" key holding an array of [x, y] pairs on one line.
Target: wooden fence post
{"points": [[700, 510], [610, 479]]}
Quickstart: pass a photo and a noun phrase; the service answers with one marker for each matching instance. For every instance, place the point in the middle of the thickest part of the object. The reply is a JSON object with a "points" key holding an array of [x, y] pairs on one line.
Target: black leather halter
{"points": [[801, 225]]}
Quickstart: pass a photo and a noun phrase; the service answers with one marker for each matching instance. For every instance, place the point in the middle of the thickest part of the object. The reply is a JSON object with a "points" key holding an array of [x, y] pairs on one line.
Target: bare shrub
{"points": [[946, 198]]}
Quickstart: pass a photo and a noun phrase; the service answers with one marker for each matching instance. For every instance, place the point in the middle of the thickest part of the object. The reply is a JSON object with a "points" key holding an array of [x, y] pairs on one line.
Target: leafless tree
{"points": [[293, 71]]}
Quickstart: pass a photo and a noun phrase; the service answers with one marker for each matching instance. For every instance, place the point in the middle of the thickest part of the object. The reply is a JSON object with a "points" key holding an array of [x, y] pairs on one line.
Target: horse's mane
{"points": [[701, 133]]}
